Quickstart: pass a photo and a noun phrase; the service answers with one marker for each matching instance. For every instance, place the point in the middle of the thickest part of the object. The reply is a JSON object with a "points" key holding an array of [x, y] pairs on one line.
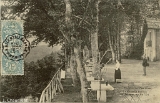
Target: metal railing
{"points": [[52, 88]]}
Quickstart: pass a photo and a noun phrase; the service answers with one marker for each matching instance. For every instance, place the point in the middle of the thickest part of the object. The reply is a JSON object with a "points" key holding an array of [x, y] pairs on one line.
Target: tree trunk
{"points": [[139, 48], [112, 48], [82, 74], [73, 68], [145, 30], [119, 42], [94, 40], [77, 51], [94, 49], [66, 56], [119, 36], [86, 54]]}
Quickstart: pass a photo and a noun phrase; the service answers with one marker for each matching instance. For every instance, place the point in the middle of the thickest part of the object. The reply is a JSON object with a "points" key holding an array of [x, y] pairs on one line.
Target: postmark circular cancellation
{"points": [[15, 47]]}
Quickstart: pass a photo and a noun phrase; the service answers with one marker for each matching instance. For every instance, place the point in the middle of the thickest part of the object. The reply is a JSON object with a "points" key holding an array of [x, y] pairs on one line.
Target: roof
{"points": [[153, 23]]}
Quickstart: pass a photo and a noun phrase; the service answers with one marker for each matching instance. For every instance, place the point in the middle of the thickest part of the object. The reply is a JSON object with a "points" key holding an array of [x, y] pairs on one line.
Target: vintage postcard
{"points": [[80, 51]]}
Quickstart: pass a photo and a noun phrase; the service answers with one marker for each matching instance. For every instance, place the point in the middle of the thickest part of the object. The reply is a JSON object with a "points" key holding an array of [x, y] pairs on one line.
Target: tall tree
{"points": [[76, 49], [94, 36]]}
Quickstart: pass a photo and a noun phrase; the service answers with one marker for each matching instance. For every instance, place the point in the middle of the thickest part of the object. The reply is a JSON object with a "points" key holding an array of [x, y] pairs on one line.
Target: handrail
{"points": [[52, 88]]}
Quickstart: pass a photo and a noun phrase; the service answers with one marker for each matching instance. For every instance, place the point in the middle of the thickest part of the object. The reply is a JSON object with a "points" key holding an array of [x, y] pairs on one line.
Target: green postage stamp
{"points": [[14, 47]]}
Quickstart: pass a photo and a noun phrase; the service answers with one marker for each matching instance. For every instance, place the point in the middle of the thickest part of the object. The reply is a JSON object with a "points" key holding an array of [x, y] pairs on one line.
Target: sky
{"points": [[31, 39]]}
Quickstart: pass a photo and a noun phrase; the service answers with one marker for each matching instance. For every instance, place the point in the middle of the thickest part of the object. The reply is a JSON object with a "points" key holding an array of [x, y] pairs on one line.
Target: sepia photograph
{"points": [[80, 51]]}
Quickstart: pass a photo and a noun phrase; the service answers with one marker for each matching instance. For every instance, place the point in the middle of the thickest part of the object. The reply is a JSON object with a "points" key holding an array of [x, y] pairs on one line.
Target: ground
{"points": [[131, 72]]}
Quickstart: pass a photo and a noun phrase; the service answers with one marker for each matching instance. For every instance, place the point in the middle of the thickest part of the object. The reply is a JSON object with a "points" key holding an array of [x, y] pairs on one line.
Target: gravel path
{"points": [[131, 72]]}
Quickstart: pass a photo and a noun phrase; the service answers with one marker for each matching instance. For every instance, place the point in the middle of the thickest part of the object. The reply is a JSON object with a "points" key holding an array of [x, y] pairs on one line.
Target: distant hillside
{"points": [[40, 51]]}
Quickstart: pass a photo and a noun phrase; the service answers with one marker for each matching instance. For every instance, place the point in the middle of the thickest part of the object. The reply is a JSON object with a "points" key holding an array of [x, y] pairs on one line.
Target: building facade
{"points": [[152, 40]]}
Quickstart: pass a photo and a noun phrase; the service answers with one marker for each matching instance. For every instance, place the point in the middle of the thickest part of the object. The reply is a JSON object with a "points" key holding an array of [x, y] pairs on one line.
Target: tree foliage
{"points": [[45, 19], [36, 77]]}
